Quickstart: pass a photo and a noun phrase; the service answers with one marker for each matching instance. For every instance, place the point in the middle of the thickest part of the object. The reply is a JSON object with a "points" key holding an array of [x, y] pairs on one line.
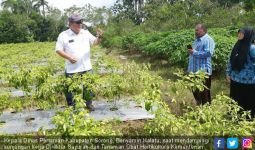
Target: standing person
{"points": [[74, 45], [200, 55], [241, 71]]}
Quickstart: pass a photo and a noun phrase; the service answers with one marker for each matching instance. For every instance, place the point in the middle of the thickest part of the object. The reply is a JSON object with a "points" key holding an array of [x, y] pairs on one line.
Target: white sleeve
{"points": [[60, 43], [92, 38]]}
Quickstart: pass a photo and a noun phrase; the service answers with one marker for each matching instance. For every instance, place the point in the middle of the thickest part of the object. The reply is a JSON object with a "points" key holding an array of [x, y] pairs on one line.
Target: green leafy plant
{"points": [[76, 121], [172, 45], [21, 79], [191, 81]]}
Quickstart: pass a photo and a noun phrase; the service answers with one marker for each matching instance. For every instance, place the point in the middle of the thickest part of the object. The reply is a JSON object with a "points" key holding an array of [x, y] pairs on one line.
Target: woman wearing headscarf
{"points": [[241, 71]]}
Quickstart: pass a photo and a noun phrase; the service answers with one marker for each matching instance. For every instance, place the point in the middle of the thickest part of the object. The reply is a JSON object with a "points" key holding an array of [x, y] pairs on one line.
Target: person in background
{"points": [[241, 70], [200, 57], [74, 45]]}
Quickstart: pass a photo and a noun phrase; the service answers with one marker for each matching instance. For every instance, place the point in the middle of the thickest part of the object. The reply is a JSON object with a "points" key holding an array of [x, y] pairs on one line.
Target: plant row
{"points": [[173, 45]]}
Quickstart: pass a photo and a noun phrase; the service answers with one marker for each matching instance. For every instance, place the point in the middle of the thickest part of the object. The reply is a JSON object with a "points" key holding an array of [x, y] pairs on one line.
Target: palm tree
{"points": [[41, 3], [11, 5], [137, 5], [28, 6]]}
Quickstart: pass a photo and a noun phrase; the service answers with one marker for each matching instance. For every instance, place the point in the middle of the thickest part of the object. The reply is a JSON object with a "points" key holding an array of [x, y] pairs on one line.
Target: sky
{"points": [[63, 4]]}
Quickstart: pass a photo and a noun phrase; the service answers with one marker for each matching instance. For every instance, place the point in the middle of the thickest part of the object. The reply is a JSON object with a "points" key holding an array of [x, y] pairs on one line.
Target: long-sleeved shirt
{"points": [[247, 74], [201, 57]]}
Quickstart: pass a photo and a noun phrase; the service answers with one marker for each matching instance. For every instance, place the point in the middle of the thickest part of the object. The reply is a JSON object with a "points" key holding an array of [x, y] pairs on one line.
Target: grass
{"points": [[219, 85]]}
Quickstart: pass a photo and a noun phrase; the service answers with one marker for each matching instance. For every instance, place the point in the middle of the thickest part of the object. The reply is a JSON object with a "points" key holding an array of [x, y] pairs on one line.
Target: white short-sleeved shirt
{"points": [[78, 45]]}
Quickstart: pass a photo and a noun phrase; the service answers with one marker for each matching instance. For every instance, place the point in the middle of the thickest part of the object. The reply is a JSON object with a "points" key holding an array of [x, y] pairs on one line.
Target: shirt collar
{"points": [[70, 32], [203, 37]]}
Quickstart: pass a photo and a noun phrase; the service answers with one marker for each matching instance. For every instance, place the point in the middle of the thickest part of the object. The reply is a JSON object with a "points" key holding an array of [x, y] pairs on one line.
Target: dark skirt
{"points": [[244, 95]]}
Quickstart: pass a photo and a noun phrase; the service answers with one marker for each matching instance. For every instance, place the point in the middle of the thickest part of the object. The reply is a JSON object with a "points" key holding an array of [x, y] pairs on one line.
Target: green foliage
{"points": [[227, 3], [151, 95], [164, 15], [30, 68], [112, 87], [212, 119], [39, 74], [248, 19], [4, 101], [131, 80], [191, 81], [204, 120], [25, 21], [72, 122], [223, 49], [75, 120], [50, 88], [172, 45], [15, 28], [114, 31], [133, 41], [114, 42], [249, 5], [125, 9], [21, 79], [90, 13]]}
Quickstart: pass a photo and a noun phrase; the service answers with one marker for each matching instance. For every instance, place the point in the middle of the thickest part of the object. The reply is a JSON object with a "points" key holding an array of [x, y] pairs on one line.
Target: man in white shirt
{"points": [[74, 45]]}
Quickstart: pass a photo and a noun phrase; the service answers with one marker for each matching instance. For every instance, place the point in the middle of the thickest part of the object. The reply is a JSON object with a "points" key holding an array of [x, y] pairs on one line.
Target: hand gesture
{"points": [[99, 33]]}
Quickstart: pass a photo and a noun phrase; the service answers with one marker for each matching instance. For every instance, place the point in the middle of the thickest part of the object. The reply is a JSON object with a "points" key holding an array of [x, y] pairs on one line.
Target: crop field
{"points": [[38, 73], [139, 83]]}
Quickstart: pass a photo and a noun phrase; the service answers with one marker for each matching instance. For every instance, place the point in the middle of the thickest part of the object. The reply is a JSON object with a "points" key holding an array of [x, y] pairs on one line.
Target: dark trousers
{"points": [[203, 96], [69, 95], [244, 95]]}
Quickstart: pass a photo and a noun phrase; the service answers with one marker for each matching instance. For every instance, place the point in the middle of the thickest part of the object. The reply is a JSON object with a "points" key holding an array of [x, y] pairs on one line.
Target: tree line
{"points": [[35, 20]]}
